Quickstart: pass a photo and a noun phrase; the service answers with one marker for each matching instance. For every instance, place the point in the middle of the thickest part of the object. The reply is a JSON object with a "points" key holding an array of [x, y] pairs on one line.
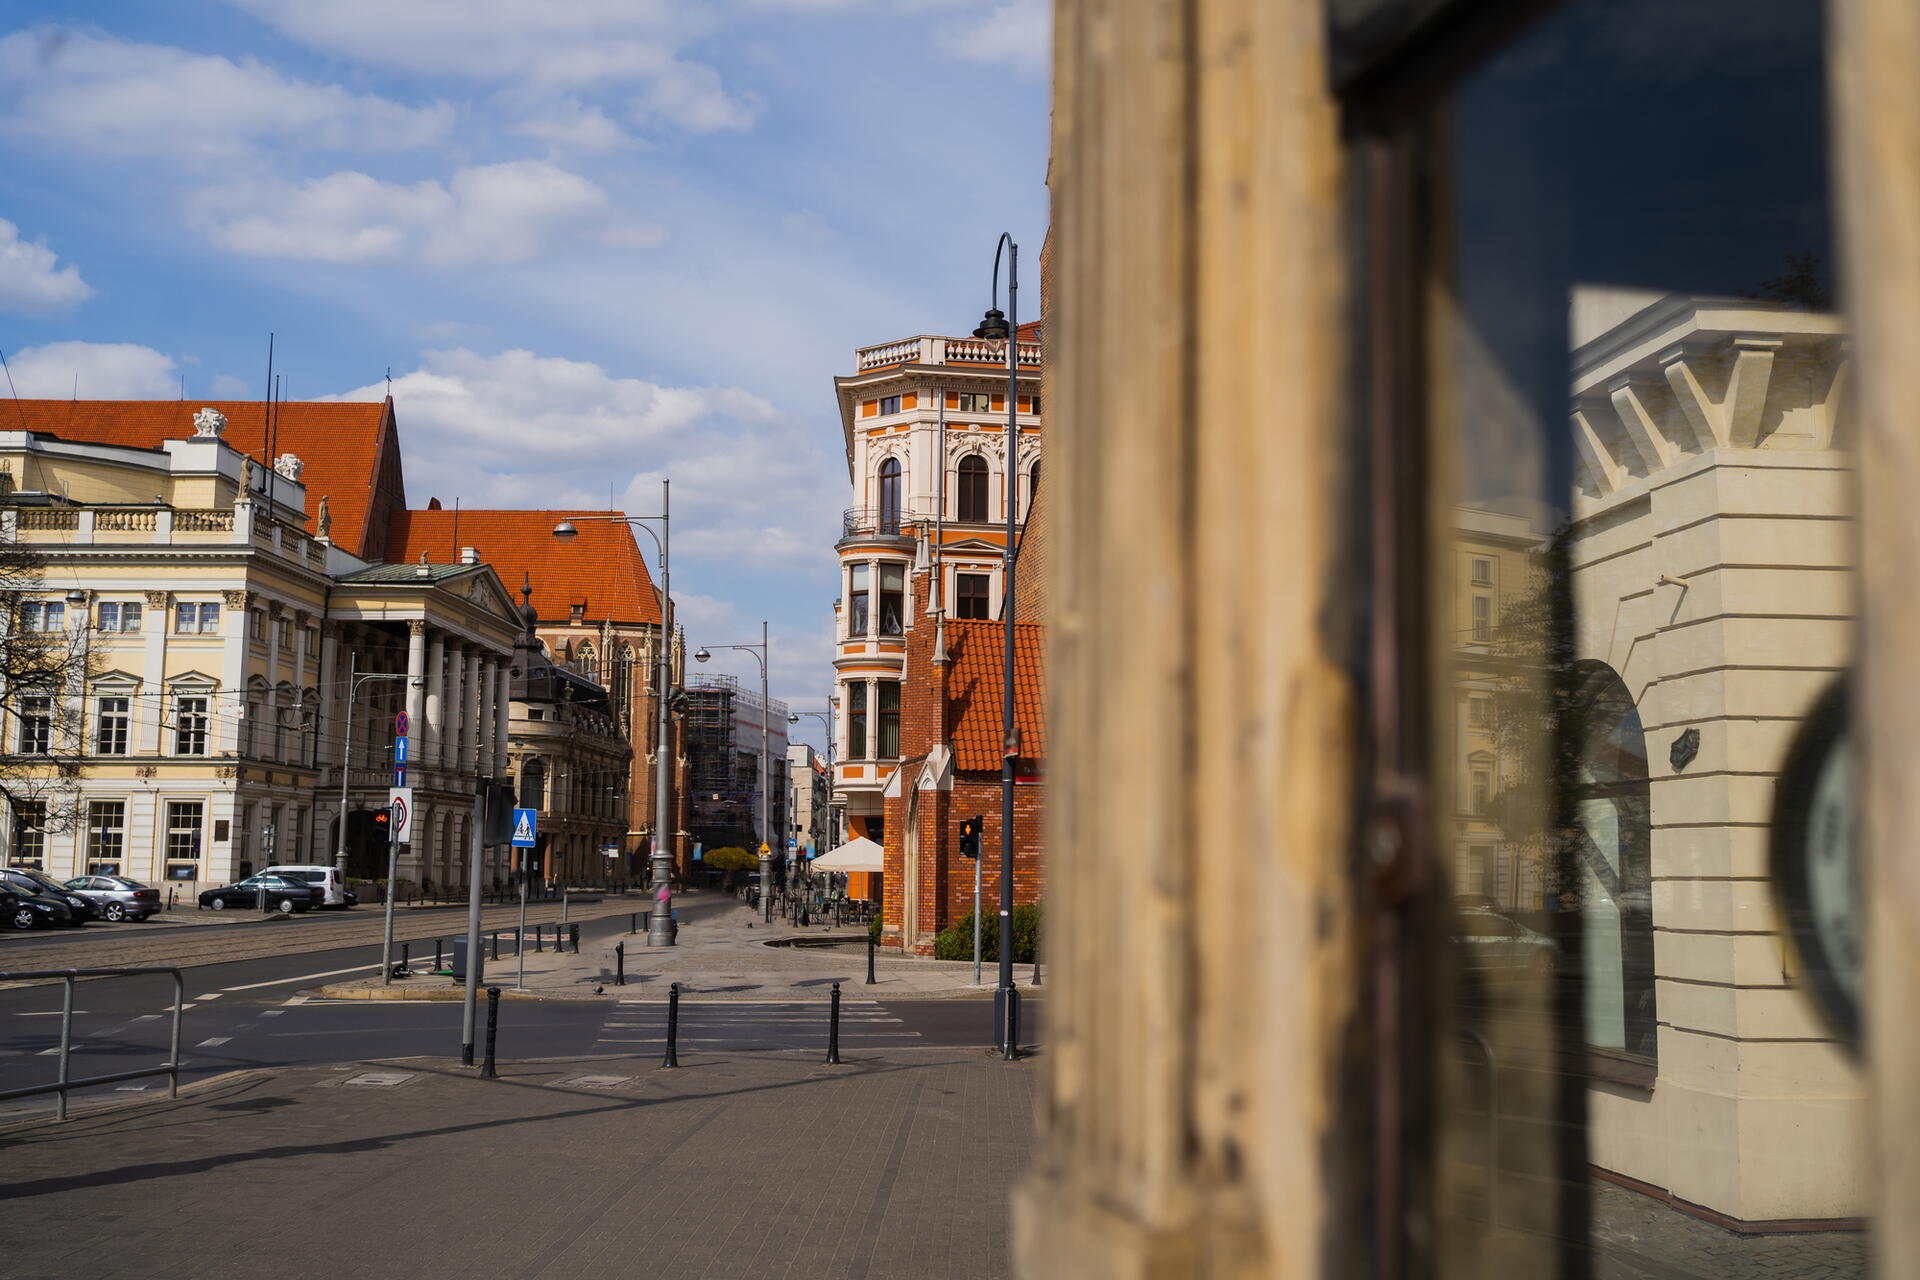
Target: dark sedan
{"points": [[20, 910], [38, 884], [282, 895]]}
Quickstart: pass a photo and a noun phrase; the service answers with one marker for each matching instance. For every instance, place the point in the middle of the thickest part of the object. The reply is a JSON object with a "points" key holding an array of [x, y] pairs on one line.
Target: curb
{"points": [[423, 993], [83, 1109]]}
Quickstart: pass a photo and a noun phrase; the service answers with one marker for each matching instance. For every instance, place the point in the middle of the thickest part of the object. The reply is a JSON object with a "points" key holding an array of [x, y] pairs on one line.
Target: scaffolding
{"points": [[718, 805]]}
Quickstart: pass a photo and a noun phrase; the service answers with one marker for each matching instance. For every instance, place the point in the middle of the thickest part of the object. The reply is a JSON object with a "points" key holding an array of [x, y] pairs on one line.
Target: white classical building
{"points": [[1712, 566]]}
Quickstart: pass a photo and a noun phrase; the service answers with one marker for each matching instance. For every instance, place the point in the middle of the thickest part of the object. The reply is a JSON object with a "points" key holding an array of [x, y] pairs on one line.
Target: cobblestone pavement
{"points": [[750, 1165], [724, 956], [1636, 1237], [139, 944]]}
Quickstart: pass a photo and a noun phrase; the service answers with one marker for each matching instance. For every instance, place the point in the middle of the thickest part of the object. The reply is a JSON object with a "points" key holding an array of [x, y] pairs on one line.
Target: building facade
{"points": [[722, 722], [932, 470], [809, 800]]}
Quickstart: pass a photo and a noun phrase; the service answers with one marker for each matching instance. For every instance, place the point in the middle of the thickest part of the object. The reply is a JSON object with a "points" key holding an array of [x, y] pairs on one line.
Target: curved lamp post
{"points": [[660, 925], [996, 327], [759, 652]]}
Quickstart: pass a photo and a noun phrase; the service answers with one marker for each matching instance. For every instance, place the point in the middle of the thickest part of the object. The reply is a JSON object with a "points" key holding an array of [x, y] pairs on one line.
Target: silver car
{"points": [[117, 898]]}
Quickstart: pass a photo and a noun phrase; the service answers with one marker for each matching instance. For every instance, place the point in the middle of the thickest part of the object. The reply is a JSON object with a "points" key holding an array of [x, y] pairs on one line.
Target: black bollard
{"points": [[672, 1058], [1036, 963], [496, 945], [833, 1030], [436, 955], [406, 960], [633, 919], [619, 964], [493, 1030], [869, 959], [573, 932], [539, 940]]}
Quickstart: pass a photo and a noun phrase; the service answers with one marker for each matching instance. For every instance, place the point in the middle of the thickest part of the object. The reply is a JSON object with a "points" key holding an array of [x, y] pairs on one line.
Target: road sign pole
{"points": [[394, 818], [475, 855]]}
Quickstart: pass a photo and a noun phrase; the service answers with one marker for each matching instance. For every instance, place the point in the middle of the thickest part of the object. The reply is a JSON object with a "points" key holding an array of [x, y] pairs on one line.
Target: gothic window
{"points": [[587, 662], [890, 496], [973, 488]]}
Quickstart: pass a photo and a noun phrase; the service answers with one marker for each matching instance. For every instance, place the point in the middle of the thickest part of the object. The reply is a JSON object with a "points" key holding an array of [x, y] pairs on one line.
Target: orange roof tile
{"points": [[601, 568], [976, 651], [340, 443]]}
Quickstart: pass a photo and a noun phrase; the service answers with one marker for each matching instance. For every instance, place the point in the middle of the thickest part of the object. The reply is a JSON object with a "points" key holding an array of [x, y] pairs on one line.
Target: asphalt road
{"points": [[249, 1013]]}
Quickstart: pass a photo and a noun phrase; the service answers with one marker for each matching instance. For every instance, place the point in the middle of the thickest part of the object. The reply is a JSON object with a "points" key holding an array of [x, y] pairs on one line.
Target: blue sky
{"points": [[596, 241]]}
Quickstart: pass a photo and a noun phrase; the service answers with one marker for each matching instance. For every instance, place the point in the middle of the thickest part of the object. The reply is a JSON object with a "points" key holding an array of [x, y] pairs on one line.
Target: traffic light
{"points": [[970, 837]]}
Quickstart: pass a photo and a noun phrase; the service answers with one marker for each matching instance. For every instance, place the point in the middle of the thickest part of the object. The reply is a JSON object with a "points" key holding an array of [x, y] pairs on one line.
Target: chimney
{"points": [[469, 555]]}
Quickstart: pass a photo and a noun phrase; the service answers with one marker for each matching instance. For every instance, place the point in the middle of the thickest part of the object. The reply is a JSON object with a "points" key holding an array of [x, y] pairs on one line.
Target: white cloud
{"points": [[635, 235], [570, 125], [105, 371], [1017, 33], [29, 280], [553, 44], [523, 430], [488, 213], [115, 97]]}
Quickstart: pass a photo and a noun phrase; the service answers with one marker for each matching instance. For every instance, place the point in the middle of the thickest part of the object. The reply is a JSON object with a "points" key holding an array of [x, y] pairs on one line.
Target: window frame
{"points": [[122, 723], [971, 490]]}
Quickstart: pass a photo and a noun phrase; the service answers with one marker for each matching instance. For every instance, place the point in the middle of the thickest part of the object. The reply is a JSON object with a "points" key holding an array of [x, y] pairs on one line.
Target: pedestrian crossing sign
{"points": [[524, 821]]}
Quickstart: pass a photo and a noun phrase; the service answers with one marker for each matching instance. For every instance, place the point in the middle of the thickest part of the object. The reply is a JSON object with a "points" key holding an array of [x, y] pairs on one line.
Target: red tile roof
{"points": [[340, 443], [976, 651], [601, 568]]}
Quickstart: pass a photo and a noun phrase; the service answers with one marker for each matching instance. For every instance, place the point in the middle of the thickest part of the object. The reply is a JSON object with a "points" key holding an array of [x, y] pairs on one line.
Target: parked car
{"points": [[116, 897], [22, 910], [330, 879], [282, 894], [34, 883], [1499, 947]]}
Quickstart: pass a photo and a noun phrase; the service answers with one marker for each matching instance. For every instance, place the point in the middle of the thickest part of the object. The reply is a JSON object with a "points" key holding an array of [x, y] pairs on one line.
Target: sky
{"points": [[592, 242]]}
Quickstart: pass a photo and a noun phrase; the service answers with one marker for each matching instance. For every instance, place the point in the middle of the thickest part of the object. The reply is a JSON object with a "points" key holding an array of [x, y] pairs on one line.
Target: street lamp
{"points": [[354, 681], [996, 327], [759, 652], [660, 926]]}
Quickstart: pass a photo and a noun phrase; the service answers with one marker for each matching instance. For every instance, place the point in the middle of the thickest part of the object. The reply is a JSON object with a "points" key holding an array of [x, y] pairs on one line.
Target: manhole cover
{"points": [[595, 1082], [378, 1079]]}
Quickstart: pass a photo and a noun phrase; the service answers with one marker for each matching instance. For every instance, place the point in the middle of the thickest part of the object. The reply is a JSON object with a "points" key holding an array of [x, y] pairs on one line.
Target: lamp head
{"points": [[565, 529], [702, 656], [793, 719], [992, 325]]}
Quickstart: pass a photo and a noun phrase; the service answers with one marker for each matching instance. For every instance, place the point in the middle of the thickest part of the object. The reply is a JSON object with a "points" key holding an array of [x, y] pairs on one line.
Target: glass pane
{"points": [[1638, 392]]}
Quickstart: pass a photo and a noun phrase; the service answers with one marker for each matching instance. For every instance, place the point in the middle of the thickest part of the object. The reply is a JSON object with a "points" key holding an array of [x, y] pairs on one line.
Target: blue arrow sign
{"points": [[524, 823], [400, 752]]}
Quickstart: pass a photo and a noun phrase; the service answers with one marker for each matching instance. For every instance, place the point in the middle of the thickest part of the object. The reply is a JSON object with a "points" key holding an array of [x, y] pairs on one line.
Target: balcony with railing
{"points": [[876, 522], [147, 524], [973, 352]]}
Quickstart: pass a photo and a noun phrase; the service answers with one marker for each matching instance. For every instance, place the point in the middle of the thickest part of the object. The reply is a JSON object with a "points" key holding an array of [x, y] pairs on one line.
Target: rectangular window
{"points": [[29, 835], [106, 836], [1482, 572], [857, 721], [190, 725], [120, 616], [110, 729], [1479, 713], [970, 595], [1482, 619], [893, 585], [1036, 404], [257, 624], [202, 618], [185, 819], [284, 630], [250, 727], [889, 721], [36, 724], [43, 615], [1482, 789], [889, 404], [972, 402], [857, 602]]}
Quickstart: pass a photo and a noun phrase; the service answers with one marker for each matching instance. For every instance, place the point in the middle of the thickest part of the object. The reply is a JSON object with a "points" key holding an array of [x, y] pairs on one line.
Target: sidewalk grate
{"points": [[378, 1079], [594, 1082]]}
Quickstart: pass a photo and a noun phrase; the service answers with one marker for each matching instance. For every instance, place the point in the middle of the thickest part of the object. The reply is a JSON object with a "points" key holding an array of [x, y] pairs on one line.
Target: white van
{"points": [[328, 878]]}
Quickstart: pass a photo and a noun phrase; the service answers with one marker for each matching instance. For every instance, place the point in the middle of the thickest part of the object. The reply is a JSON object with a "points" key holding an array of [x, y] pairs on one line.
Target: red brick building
{"points": [[950, 742]]}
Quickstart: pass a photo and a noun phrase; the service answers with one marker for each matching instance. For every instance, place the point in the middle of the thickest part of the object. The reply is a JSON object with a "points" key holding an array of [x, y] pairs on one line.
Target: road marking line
{"points": [[146, 1017], [212, 1041], [48, 1053], [271, 1013], [305, 977], [295, 1000], [49, 1013], [210, 996]]}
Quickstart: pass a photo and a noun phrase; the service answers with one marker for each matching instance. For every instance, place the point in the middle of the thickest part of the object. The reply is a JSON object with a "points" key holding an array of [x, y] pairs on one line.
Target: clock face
{"points": [[1816, 865]]}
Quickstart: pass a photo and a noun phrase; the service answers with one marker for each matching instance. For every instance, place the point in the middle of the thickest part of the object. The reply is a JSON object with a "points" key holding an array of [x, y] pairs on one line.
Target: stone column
{"points": [[503, 715], [470, 715], [432, 733], [416, 693], [483, 742]]}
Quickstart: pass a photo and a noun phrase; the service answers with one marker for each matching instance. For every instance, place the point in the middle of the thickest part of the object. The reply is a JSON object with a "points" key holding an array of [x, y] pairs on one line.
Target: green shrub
{"points": [[731, 858], [955, 942]]}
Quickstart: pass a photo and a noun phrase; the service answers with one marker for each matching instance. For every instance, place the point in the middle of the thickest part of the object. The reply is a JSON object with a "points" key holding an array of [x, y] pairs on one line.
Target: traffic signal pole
{"points": [[976, 919]]}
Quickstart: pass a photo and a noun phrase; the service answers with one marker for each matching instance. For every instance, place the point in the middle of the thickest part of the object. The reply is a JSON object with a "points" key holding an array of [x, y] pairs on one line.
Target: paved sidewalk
{"points": [[722, 955], [751, 1165]]}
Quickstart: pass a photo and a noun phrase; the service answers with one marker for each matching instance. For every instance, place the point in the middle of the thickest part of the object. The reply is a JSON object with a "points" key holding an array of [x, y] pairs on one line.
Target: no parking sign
{"points": [[400, 805]]}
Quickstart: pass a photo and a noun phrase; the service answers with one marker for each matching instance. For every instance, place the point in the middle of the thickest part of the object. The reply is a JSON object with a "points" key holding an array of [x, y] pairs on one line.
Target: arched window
{"points": [[890, 496], [620, 692], [1612, 859], [587, 662], [973, 488]]}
